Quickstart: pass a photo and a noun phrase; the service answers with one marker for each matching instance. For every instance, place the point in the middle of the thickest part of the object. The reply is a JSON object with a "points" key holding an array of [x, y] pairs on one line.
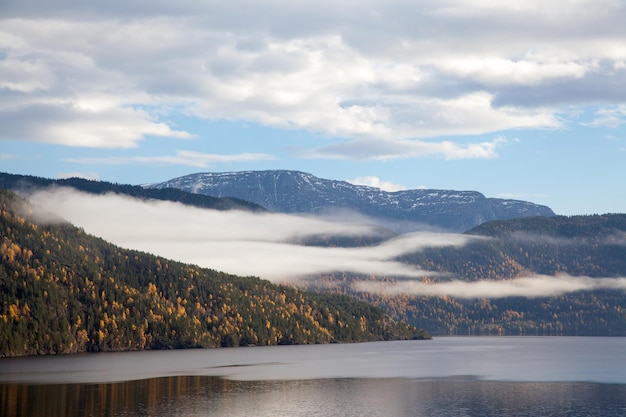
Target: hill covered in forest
{"points": [[28, 183], [63, 291], [559, 250]]}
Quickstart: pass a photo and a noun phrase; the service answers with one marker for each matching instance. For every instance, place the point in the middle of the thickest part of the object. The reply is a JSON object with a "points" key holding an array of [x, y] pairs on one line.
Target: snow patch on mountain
{"points": [[300, 192]]}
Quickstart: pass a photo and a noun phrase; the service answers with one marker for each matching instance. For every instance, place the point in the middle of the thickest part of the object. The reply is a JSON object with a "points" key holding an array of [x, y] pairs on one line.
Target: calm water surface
{"points": [[448, 376]]}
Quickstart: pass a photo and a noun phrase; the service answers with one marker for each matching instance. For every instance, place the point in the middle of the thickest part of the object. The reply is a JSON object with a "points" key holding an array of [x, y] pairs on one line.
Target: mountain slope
{"points": [[27, 183], [299, 192], [592, 246], [64, 291], [559, 247]]}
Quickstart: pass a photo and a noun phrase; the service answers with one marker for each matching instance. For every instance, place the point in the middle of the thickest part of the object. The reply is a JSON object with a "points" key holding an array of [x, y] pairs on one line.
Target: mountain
{"points": [[27, 183], [558, 248], [64, 291], [299, 192]]}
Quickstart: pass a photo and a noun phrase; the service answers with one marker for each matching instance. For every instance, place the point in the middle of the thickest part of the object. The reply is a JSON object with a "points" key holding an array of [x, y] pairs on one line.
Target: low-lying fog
{"points": [[246, 243]]}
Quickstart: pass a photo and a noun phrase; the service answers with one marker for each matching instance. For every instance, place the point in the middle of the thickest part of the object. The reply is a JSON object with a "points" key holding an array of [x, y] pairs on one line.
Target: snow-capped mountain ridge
{"points": [[300, 192]]}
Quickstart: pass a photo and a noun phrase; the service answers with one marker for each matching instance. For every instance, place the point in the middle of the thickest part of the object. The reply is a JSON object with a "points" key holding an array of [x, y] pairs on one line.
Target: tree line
{"points": [[593, 246], [64, 291]]}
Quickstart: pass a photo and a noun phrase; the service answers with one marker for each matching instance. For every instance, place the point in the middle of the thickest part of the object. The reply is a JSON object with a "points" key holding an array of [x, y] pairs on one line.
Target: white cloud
{"points": [[245, 243], [617, 238], [533, 286], [185, 158], [609, 117], [496, 71], [373, 181], [23, 76], [237, 242], [385, 150], [71, 125], [107, 75]]}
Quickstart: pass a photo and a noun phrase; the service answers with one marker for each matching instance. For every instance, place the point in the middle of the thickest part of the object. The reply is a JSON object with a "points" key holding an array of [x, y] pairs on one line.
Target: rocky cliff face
{"points": [[299, 192]]}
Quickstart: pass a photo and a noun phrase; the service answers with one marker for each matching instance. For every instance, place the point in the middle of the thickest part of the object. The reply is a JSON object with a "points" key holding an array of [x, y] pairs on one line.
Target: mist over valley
{"points": [[534, 275]]}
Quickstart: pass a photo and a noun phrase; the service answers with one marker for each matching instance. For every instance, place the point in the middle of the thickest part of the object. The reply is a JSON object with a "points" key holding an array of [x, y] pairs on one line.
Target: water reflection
{"points": [[188, 396], [131, 398], [504, 377]]}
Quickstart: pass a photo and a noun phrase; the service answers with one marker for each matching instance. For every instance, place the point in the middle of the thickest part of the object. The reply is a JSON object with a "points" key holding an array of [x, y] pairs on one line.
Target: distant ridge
{"points": [[27, 182], [300, 192]]}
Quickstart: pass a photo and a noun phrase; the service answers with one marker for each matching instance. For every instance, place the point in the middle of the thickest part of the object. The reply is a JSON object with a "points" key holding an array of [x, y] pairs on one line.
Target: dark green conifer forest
{"points": [[590, 246], [64, 291]]}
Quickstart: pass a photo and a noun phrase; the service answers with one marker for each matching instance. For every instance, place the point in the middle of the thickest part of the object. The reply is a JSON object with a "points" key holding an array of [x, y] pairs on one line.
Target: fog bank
{"points": [[237, 242], [532, 286]]}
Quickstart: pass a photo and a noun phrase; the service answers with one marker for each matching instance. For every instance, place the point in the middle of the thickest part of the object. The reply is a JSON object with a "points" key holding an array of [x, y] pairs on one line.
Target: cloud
{"points": [[256, 244], [373, 181], [384, 150], [237, 242], [614, 116], [500, 71], [617, 238], [614, 238], [72, 125], [185, 158], [532, 286], [395, 72]]}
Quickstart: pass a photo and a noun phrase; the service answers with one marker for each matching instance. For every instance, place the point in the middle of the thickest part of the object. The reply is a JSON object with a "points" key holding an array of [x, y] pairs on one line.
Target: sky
{"points": [[520, 100]]}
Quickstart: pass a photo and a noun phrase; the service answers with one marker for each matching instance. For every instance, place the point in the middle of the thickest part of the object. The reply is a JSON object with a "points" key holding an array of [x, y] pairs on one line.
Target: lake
{"points": [[447, 376]]}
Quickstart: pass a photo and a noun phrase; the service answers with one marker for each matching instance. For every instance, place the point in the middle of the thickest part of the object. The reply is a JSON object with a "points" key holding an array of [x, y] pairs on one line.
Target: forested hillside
{"points": [[578, 245], [64, 291], [590, 246], [28, 182]]}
